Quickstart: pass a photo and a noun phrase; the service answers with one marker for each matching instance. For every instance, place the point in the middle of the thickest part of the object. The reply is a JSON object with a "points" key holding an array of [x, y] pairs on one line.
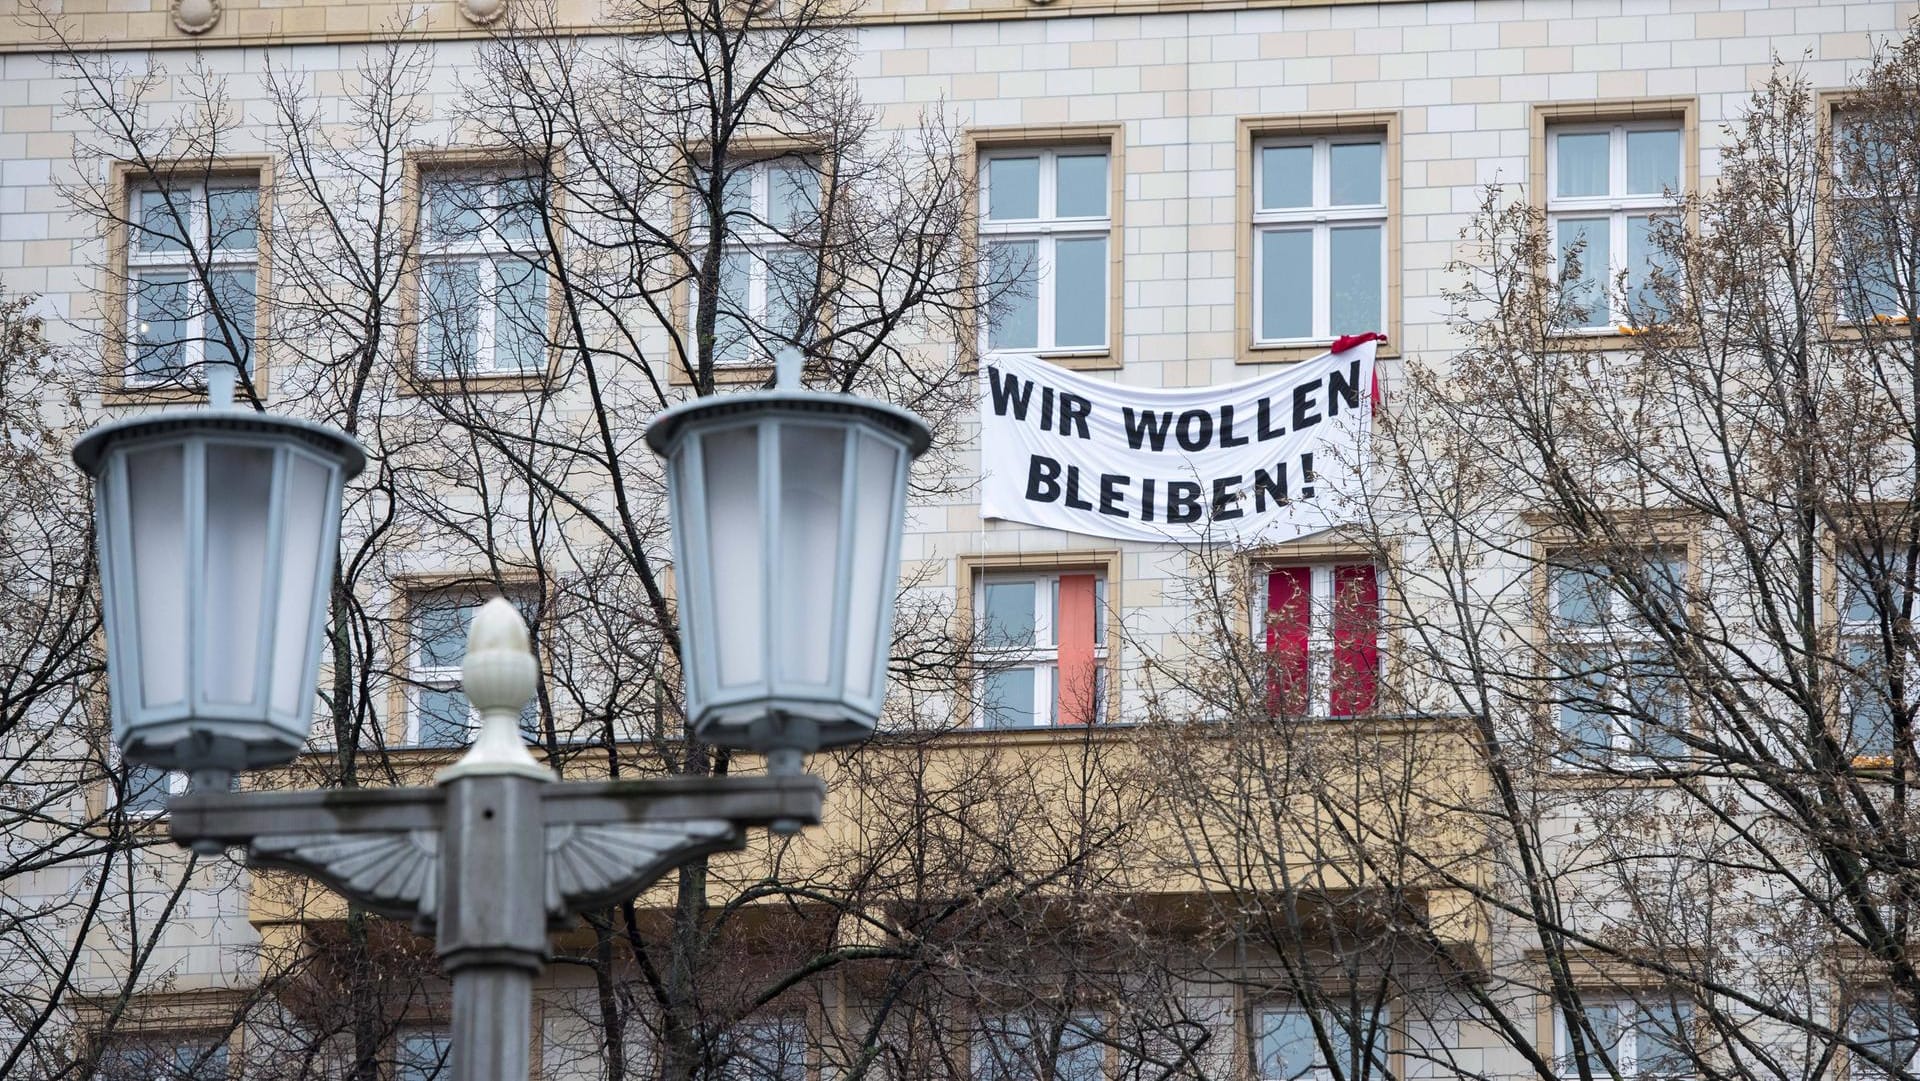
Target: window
{"points": [[1286, 1048], [438, 713], [1042, 648], [1319, 237], [483, 282], [192, 259], [1019, 1047], [1888, 1043], [1608, 185], [1866, 697], [1617, 700], [164, 1060], [1322, 624], [421, 1055], [1874, 238], [1046, 223], [1639, 1039], [766, 1049], [768, 259]]}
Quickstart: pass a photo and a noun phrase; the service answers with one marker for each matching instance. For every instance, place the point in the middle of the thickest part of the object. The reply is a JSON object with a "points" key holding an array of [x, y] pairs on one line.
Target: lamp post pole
{"points": [[495, 854]]}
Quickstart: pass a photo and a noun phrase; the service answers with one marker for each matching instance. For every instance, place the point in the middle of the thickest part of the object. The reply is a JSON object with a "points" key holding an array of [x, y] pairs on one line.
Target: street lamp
{"points": [[217, 531]]}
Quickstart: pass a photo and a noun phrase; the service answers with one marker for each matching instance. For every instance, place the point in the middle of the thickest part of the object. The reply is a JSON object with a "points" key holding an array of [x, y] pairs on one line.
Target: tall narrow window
{"points": [[483, 282], [1872, 219], [1649, 1040], [1319, 238], [1046, 223], [1864, 578], [439, 714], [1024, 1047], [1041, 646], [1322, 627], [1608, 187], [193, 255], [1617, 698], [769, 259]]}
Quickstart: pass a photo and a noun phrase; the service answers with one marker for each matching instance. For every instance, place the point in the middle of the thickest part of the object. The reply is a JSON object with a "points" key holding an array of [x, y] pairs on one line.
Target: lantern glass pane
{"points": [[304, 539], [734, 558], [812, 473], [875, 517], [157, 509], [239, 508]]}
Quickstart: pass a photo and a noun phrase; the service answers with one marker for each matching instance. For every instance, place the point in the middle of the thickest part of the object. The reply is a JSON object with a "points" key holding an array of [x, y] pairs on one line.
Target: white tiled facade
{"points": [[1462, 79]]}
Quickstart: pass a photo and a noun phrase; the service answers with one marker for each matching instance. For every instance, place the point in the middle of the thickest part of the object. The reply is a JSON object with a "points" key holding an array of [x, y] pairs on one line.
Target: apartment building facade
{"points": [[1175, 194]]}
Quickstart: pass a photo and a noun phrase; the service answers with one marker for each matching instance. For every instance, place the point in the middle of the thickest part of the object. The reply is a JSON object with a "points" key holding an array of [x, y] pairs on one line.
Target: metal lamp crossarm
{"points": [[496, 853]]}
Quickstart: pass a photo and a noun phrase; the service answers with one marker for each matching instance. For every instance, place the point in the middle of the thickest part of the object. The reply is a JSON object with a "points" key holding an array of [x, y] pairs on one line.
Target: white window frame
{"points": [[1321, 218], [423, 677], [1320, 611], [1616, 206], [485, 249], [1632, 1016], [1043, 656], [1320, 1071], [195, 329], [1044, 231], [1605, 635], [753, 235]]}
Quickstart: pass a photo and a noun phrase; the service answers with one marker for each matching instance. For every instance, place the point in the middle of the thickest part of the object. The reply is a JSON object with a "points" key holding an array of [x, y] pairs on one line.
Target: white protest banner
{"points": [[1253, 462]]}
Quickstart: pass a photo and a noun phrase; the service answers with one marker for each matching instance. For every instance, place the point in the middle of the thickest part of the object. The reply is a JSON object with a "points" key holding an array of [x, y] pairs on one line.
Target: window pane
{"points": [[1583, 244], [1857, 603], [1599, 1041], [146, 789], [1580, 164], [520, 318], [1869, 716], [765, 1051], [1013, 188], [234, 217], [793, 196], [1585, 722], [1286, 177], [1661, 1041], [1080, 292], [233, 303], [163, 224], [518, 202], [1015, 312], [1286, 284], [1287, 1048], [1356, 174], [159, 323], [789, 292], [1007, 701], [1082, 186], [454, 208], [1082, 1056], [444, 717], [1655, 710], [732, 343], [1653, 161], [1643, 258], [452, 317], [1007, 616], [1355, 279], [1579, 596], [440, 634], [421, 1056]]}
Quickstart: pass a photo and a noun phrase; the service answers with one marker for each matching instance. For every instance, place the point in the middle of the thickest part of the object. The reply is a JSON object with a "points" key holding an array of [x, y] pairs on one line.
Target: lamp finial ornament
{"points": [[499, 675]]}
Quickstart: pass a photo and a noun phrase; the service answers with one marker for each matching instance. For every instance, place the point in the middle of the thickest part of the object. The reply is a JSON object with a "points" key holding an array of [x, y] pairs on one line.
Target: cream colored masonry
{"points": [[1180, 82]]}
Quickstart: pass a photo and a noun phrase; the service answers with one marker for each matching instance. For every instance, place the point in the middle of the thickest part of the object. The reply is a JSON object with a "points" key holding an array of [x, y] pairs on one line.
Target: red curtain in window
{"points": [[1356, 640], [1074, 632], [1289, 611]]}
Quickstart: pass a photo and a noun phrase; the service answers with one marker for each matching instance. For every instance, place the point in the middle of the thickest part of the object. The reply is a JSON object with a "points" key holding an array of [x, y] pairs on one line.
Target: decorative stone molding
{"points": [[483, 12], [195, 16]]}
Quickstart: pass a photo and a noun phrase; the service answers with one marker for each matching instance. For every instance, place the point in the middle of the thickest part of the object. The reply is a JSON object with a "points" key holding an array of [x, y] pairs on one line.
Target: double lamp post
{"points": [[218, 529]]}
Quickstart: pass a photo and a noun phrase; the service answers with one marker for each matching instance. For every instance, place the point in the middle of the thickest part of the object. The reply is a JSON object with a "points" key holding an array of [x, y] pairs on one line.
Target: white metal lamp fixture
{"points": [[787, 509], [217, 531]]}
